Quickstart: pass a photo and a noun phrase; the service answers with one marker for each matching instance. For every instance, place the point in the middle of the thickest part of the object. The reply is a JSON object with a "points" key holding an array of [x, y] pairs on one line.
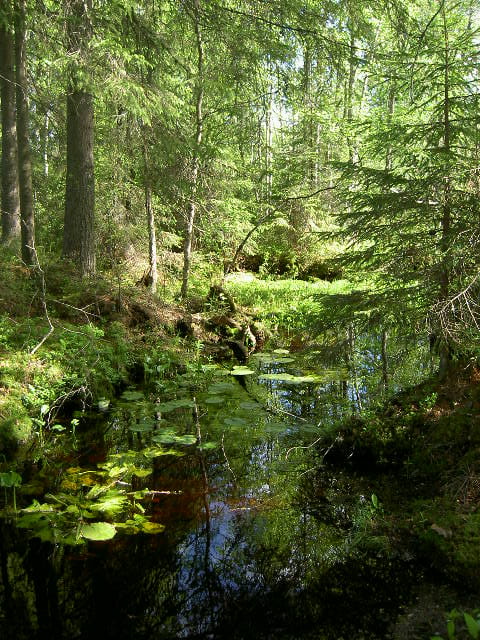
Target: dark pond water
{"points": [[228, 465]]}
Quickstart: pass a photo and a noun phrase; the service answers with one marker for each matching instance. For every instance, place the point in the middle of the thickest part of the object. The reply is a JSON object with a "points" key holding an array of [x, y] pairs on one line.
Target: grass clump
{"points": [[288, 305]]}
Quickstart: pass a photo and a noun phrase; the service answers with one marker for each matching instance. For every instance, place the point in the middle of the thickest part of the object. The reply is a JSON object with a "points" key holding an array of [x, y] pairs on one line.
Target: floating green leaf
{"points": [[141, 473], [156, 452], [235, 422], [112, 503], [242, 371], [165, 407], [207, 446], [98, 531], [221, 387], [281, 351], [249, 405], [170, 437], [289, 378], [215, 400], [272, 358], [152, 527], [221, 372], [275, 427], [144, 425]]}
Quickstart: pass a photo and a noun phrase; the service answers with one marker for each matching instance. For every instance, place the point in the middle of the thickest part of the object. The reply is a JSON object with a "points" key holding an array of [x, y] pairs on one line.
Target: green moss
{"points": [[13, 430]]}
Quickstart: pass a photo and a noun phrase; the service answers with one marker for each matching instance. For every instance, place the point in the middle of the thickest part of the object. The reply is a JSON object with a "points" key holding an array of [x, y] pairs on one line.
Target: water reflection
{"points": [[249, 549]]}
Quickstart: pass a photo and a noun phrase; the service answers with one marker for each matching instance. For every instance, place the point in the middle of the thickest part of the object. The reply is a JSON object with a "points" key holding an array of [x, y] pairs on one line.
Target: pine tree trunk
{"points": [[445, 350], [10, 202], [152, 239], [385, 375], [192, 208], [78, 233], [352, 70], [24, 159]]}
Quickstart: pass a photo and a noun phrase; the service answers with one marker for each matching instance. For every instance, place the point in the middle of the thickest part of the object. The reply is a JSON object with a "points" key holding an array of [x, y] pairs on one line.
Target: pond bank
{"points": [[417, 460]]}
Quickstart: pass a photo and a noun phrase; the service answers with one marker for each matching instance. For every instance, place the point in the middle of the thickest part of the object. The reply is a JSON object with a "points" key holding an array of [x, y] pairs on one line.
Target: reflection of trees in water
{"points": [[121, 590], [246, 551]]}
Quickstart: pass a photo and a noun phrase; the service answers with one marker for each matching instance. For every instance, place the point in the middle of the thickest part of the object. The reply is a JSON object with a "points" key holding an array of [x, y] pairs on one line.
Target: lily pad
{"points": [[207, 446], [165, 407], [242, 371], [98, 531], [281, 351], [143, 426], [289, 378], [273, 358], [221, 387], [215, 400], [275, 427], [170, 437], [152, 527], [249, 405], [235, 422]]}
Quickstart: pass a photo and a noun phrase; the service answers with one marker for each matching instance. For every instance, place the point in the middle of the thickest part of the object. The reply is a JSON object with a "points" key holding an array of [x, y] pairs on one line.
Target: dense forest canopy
{"points": [[311, 138]]}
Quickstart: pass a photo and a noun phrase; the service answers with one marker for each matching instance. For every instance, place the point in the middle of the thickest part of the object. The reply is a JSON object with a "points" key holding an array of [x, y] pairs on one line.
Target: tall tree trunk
{"points": [[269, 135], [79, 221], [445, 350], [308, 125], [45, 135], [385, 375], [192, 208], [352, 70], [10, 202], [390, 113], [152, 239], [23, 140]]}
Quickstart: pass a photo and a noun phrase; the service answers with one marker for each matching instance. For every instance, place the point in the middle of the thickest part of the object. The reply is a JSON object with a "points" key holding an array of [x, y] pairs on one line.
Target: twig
{"points": [[308, 446], [312, 444], [44, 302], [87, 314], [226, 459]]}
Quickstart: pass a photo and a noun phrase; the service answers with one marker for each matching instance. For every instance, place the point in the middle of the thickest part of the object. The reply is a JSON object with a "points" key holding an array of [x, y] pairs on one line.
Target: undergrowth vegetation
{"points": [[289, 305]]}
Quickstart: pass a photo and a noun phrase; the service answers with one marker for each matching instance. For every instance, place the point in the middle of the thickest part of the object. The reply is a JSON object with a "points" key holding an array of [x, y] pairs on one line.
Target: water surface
{"points": [[247, 551]]}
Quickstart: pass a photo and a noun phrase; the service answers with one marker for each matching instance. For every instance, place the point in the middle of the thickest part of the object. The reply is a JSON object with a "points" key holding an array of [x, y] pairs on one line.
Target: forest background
{"points": [[170, 143], [153, 152]]}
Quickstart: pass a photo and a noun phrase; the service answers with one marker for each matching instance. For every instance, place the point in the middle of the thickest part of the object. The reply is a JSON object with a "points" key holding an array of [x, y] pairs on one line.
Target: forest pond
{"points": [[228, 538]]}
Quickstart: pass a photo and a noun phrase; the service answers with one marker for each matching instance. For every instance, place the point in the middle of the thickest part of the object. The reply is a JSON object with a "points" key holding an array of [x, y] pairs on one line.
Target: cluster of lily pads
{"points": [[95, 504]]}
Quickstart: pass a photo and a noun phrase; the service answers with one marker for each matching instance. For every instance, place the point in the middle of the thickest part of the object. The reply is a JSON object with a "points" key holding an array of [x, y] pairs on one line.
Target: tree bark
{"points": [[152, 239], [23, 140], [79, 221], [385, 376], [192, 208], [352, 70], [445, 349], [10, 201]]}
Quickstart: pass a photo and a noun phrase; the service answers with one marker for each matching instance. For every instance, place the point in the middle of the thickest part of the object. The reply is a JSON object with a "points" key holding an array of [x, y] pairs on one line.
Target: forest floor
{"points": [[65, 344]]}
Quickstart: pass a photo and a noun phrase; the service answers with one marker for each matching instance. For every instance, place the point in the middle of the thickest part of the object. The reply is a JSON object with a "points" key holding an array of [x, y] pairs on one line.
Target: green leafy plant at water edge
{"points": [[95, 504], [10, 480], [461, 625]]}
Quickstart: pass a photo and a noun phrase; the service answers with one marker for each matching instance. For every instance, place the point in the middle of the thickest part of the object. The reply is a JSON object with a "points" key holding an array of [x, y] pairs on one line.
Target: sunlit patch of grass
{"points": [[290, 304]]}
